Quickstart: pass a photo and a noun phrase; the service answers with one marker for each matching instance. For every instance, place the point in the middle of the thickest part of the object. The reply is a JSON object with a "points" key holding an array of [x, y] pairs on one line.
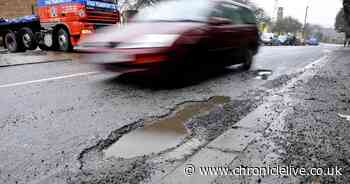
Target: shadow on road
{"points": [[182, 79]]}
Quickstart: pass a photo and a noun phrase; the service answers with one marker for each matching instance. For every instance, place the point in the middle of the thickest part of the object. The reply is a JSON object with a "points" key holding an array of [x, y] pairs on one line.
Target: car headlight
{"points": [[150, 41]]}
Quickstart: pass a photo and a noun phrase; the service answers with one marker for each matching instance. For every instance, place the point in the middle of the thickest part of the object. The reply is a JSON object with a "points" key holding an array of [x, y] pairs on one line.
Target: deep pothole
{"points": [[263, 74], [163, 134]]}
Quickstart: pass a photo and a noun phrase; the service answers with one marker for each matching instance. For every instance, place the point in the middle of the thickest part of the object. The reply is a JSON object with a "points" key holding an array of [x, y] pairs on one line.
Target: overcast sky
{"points": [[321, 12]]}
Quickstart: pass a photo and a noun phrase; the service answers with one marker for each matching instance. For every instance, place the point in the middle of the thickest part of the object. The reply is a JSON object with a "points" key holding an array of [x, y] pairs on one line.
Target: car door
{"points": [[226, 37], [248, 29]]}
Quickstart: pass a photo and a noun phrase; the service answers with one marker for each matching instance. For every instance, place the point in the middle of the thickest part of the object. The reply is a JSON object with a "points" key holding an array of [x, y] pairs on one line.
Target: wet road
{"points": [[51, 112]]}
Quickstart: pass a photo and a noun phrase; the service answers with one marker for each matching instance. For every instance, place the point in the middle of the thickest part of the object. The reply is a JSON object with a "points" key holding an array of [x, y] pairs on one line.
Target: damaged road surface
{"points": [[70, 123]]}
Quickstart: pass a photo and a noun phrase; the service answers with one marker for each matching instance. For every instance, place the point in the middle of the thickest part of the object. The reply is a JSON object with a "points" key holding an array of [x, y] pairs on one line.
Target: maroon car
{"points": [[178, 34]]}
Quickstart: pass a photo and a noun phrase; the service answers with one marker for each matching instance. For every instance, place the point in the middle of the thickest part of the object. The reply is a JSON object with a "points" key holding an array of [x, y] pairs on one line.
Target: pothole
{"points": [[347, 117], [263, 74], [161, 135]]}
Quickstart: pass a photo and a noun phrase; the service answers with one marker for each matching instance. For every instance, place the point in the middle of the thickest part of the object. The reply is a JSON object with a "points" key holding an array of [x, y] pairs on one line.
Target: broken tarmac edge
{"points": [[223, 151]]}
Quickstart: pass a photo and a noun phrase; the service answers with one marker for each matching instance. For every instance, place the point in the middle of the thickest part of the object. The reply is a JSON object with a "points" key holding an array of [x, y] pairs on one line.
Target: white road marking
{"points": [[47, 79]]}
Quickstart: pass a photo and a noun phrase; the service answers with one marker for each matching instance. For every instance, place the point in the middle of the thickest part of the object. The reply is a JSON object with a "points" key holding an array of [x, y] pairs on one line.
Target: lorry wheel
{"points": [[13, 43], [28, 39], [63, 40], [3, 41]]}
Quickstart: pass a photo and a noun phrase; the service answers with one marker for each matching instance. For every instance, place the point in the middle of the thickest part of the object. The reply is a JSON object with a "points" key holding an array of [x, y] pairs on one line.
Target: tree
{"points": [[340, 21], [287, 25], [341, 25], [313, 30], [261, 16], [346, 4]]}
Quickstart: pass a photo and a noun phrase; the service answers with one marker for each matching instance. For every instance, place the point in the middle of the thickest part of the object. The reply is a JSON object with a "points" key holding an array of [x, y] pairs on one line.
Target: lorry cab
{"points": [[58, 24], [70, 20]]}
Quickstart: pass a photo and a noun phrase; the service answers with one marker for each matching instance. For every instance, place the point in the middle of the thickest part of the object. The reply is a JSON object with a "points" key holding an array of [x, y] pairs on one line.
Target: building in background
{"points": [[16, 8], [329, 35]]}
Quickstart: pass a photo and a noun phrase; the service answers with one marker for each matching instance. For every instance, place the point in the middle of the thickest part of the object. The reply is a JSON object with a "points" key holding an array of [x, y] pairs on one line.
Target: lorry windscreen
{"points": [[104, 4], [41, 3]]}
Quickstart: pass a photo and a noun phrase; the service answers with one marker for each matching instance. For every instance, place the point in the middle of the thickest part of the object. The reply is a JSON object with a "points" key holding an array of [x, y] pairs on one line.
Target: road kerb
{"points": [[8, 64], [205, 157], [35, 57]]}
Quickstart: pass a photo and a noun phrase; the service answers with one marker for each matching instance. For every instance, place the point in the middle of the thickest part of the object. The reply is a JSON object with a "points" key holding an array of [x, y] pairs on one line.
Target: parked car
{"points": [[173, 35], [313, 41], [299, 42], [283, 39], [267, 38], [275, 41]]}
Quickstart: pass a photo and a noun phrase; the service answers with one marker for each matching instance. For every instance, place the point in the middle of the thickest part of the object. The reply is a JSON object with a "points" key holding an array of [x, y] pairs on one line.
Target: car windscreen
{"points": [[182, 10]]}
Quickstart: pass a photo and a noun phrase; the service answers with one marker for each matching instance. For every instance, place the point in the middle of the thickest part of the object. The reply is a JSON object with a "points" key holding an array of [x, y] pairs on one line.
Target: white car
{"points": [[267, 38]]}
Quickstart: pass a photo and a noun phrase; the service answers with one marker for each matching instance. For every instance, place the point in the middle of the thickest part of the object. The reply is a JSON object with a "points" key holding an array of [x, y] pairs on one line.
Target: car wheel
{"points": [[63, 40], [248, 60], [2, 41], [12, 43], [28, 39]]}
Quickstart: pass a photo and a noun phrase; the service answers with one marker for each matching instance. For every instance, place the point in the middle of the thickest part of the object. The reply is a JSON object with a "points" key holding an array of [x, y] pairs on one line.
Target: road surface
{"points": [[52, 112]]}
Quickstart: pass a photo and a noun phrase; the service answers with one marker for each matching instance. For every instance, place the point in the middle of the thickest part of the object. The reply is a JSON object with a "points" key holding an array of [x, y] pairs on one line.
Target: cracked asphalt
{"points": [[55, 118], [305, 127]]}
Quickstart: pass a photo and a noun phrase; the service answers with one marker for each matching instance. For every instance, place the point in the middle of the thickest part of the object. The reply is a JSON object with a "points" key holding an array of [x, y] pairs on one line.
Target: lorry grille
{"points": [[94, 16]]}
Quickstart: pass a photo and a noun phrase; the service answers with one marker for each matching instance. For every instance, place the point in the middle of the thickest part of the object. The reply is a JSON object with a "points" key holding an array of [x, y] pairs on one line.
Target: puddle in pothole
{"points": [[160, 135], [347, 117], [263, 74]]}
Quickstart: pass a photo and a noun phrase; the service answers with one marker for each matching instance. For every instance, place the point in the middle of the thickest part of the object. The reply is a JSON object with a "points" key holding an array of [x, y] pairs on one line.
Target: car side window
{"points": [[219, 11], [229, 11], [247, 16]]}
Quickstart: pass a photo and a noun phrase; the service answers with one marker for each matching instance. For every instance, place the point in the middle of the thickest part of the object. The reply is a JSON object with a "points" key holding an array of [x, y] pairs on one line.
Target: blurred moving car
{"points": [[178, 34], [313, 41], [267, 38]]}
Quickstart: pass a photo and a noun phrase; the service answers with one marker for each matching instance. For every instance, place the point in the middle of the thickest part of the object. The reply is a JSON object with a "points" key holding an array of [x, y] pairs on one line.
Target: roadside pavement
{"points": [[303, 125], [33, 57]]}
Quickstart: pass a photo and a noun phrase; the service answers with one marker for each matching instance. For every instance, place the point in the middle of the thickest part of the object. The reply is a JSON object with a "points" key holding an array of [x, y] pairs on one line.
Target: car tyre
{"points": [[13, 43], [63, 42], [248, 60], [28, 39]]}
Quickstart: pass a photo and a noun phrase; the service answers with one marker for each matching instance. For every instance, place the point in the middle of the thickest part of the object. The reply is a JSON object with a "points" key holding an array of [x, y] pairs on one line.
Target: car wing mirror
{"points": [[218, 21]]}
